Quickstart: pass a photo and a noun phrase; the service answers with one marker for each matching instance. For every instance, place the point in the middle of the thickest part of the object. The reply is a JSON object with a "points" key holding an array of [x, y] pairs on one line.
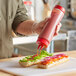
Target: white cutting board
{"points": [[13, 66]]}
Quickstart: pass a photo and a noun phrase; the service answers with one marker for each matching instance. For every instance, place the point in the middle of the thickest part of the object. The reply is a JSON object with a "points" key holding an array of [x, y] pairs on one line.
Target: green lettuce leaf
{"points": [[43, 52], [23, 60], [27, 57], [42, 55]]}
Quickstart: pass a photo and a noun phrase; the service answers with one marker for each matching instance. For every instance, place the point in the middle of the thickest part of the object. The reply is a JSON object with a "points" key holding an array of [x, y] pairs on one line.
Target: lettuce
{"points": [[27, 57], [42, 55], [43, 52], [38, 57], [23, 60]]}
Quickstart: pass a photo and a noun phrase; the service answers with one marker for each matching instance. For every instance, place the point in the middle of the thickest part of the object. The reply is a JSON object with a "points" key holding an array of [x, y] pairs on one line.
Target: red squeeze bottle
{"points": [[48, 31]]}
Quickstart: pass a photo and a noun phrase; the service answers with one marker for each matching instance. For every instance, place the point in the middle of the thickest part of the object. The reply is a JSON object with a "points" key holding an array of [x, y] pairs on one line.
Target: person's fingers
{"points": [[40, 25], [56, 33], [57, 29], [45, 19], [59, 24], [43, 23]]}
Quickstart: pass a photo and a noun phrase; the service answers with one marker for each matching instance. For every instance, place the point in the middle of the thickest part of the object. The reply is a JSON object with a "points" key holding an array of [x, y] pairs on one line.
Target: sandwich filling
{"points": [[36, 58], [53, 59]]}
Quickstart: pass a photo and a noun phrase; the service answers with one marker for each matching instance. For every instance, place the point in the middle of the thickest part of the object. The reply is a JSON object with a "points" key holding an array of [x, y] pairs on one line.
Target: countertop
{"points": [[69, 53]]}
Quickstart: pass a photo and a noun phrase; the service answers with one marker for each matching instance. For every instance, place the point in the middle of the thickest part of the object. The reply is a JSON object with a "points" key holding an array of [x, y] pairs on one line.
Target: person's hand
{"points": [[57, 29], [39, 26]]}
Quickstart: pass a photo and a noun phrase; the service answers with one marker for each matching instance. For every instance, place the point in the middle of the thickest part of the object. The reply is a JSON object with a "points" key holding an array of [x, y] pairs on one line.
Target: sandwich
{"points": [[51, 61], [34, 59]]}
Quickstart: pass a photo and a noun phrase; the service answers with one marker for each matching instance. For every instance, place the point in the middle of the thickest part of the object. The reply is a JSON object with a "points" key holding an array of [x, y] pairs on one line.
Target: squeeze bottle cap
{"points": [[60, 7], [43, 42]]}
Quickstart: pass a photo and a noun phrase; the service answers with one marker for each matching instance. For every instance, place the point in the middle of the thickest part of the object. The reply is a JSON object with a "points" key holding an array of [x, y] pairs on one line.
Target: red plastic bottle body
{"points": [[48, 31]]}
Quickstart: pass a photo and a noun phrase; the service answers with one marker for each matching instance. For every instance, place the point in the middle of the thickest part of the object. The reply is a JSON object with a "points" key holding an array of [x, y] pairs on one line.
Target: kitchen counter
{"points": [[67, 73], [33, 39]]}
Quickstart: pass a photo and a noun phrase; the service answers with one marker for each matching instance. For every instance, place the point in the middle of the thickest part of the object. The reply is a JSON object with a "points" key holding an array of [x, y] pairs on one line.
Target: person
{"points": [[13, 16]]}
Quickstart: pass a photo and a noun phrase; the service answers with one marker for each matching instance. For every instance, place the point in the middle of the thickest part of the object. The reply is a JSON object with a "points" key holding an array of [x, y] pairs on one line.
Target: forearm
{"points": [[28, 27], [25, 27]]}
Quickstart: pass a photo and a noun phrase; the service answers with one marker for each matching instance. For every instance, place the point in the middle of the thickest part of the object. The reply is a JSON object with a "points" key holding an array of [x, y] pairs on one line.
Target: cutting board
{"points": [[6, 73], [14, 67]]}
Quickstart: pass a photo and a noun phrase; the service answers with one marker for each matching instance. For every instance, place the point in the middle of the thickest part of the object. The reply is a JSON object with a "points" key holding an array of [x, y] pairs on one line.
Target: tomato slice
{"points": [[66, 56], [61, 56], [47, 62], [55, 59], [34, 56]]}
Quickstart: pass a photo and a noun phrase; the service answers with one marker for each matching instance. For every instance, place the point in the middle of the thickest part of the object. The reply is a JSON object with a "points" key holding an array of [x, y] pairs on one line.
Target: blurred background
{"points": [[39, 10]]}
